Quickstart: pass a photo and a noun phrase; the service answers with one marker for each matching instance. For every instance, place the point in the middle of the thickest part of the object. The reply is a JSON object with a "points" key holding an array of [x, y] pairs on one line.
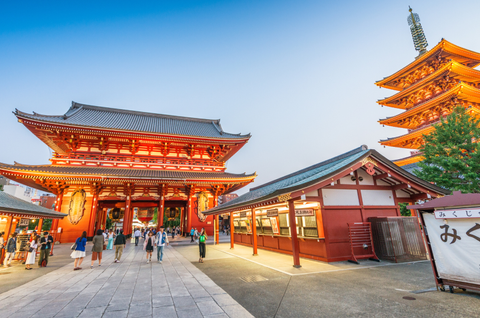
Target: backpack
{"points": [[202, 238]]}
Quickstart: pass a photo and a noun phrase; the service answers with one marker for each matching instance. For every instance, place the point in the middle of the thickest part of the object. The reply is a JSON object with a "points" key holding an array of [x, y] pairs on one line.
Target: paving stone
{"points": [[164, 312], [115, 314], [184, 303], [189, 313], [129, 289], [209, 308], [162, 301]]}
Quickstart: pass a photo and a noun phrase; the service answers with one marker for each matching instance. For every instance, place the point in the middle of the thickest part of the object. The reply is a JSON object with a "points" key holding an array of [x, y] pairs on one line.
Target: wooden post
{"points": [[254, 233], [93, 217], [160, 212], [8, 230], [128, 217], [189, 214], [39, 225], [293, 230], [231, 231], [216, 229]]}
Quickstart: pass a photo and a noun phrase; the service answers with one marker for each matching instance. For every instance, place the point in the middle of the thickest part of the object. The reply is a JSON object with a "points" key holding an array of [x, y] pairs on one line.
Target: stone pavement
{"points": [[131, 288]]}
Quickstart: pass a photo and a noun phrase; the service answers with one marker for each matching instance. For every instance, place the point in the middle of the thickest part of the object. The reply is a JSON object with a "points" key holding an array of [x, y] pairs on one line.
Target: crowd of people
{"points": [[35, 243], [103, 240]]}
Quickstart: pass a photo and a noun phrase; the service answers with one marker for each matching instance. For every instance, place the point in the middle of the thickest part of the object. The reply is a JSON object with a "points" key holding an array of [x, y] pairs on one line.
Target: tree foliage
{"points": [[452, 154]]}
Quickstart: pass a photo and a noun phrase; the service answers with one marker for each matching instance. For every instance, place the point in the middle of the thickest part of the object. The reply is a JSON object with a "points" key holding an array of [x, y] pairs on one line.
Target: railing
{"points": [[137, 160]]}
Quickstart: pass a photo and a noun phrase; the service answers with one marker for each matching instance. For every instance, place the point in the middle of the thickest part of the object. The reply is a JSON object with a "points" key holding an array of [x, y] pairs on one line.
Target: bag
{"points": [[104, 247], [202, 238], [31, 249], [74, 246]]}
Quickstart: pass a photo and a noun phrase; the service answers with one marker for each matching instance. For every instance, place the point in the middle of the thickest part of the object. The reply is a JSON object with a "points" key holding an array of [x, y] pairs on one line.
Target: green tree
{"points": [[451, 151], [108, 224]]}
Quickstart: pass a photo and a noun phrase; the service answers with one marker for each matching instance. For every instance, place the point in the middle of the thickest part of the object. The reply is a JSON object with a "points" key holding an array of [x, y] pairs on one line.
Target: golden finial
{"points": [[419, 39]]}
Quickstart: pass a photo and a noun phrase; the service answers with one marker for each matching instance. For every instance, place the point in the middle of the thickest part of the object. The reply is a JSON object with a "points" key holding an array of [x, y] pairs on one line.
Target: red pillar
{"points": [[189, 214], [217, 221], [160, 212], [58, 208], [39, 225], [254, 232], [128, 217], [231, 231], [93, 216], [293, 230]]}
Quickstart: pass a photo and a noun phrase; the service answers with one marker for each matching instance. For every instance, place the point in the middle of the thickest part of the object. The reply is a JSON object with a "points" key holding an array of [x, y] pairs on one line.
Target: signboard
{"points": [[274, 225], [24, 222], [464, 213], [243, 214], [304, 212], [456, 247], [272, 213]]}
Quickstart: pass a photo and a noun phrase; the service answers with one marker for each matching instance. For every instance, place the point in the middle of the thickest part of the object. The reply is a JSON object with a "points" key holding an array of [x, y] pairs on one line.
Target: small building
{"points": [[17, 212], [321, 200]]}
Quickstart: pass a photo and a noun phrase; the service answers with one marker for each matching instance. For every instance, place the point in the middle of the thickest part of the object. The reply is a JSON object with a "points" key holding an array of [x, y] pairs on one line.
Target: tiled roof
{"points": [[9, 203], [123, 172], [129, 120], [311, 175]]}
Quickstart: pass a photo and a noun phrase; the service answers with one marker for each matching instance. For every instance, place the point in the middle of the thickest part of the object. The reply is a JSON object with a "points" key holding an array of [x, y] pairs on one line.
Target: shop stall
{"points": [[307, 213], [14, 212], [452, 233]]}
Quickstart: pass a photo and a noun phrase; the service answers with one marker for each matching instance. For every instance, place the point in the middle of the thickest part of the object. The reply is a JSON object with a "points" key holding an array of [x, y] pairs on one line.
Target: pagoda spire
{"points": [[419, 39]]}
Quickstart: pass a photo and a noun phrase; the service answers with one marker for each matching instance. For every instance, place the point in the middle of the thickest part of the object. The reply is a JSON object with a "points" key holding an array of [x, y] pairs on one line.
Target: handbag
{"points": [[104, 247], [74, 246], [31, 249]]}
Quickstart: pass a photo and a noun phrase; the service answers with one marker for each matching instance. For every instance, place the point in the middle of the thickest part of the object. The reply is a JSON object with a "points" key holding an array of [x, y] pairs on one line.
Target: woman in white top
{"points": [[32, 253]]}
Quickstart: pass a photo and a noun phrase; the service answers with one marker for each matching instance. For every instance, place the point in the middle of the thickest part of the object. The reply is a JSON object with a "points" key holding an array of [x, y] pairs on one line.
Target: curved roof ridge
{"points": [[140, 113], [317, 165]]}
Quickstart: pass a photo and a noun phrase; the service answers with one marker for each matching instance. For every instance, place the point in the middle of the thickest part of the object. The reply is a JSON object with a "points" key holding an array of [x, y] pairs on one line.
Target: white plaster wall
{"points": [[382, 183], [312, 193], [17, 191], [367, 179], [340, 197], [377, 197], [347, 180], [402, 194]]}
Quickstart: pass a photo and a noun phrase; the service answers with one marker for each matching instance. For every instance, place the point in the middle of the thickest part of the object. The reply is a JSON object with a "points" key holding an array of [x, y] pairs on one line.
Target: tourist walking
{"points": [[120, 242], [137, 236], [45, 246], [201, 244], [2, 244], [10, 249], [148, 246], [79, 253], [173, 233], [111, 236], [97, 249], [160, 240], [196, 235], [32, 252], [192, 234]]}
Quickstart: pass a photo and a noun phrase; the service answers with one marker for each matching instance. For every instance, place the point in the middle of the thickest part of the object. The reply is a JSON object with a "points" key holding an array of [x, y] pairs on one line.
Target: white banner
{"points": [[457, 214], [456, 247]]}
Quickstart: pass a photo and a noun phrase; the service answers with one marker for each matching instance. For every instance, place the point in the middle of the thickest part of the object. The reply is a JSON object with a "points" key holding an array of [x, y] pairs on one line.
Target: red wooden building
{"points": [[321, 200], [114, 161]]}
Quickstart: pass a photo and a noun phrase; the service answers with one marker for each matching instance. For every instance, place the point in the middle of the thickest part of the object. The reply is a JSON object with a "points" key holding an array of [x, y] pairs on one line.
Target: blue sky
{"points": [[298, 75]]}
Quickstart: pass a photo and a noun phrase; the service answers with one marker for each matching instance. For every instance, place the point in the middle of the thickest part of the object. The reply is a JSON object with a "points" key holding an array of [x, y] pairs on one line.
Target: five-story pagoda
{"points": [[430, 88], [113, 162]]}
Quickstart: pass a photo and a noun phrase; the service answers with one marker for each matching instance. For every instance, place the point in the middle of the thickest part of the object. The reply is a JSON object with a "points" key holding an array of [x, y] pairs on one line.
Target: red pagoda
{"points": [[110, 161]]}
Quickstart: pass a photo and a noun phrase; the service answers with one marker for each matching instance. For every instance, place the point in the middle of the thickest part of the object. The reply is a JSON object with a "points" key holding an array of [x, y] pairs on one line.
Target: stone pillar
{"points": [[93, 216]]}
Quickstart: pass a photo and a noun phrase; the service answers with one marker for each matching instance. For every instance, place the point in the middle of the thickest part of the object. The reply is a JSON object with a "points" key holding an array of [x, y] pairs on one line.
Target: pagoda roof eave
{"points": [[107, 173], [442, 45], [451, 67], [393, 142], [113, 119], [461, 90]]}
